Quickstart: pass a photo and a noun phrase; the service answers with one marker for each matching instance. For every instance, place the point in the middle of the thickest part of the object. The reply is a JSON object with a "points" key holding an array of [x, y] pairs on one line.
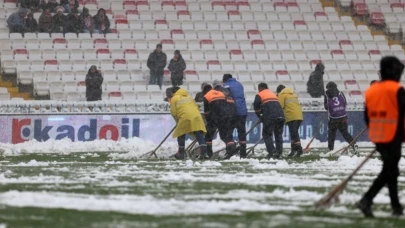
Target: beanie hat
{"points": [[280, 88], [59, 9], [216, 83], [23, 10], [159, 46], [207, 88], [177, 52]]}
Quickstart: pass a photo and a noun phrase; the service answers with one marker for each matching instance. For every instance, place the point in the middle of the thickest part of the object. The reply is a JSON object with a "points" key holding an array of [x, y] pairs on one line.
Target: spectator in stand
{"points": [[51, 4], [101, 22], [315, 86], [87, 22], [31, 24], [199, 97], [156, 63], [176, 67], [94, 80], [32, 5], [59, 21], [46, 21], [73, 24], [69, 5], [16, 21]]}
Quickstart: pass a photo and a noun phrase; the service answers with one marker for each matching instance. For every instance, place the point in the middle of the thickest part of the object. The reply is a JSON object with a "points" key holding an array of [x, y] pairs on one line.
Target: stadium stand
{"points": [[255, 40]]}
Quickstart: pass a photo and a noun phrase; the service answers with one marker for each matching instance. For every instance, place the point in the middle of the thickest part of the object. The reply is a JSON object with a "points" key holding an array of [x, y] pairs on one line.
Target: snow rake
{"points": [[153, 152], [251, 129], [251, 149], [333, 195], [344, 150], [307, 148]]}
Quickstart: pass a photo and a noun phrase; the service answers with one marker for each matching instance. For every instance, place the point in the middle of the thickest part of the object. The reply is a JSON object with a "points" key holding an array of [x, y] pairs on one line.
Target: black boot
{"points": [[298, 148], [230, 150], [277, 155], [242, 151], [180, 154], [365, 207], [203, 153], [398, 211], [292, 153], [209, 150], [299, 153]]}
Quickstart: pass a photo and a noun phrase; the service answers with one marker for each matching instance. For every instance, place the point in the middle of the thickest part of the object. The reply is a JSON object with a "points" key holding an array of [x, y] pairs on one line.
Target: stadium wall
{"points": [[17, 128]]}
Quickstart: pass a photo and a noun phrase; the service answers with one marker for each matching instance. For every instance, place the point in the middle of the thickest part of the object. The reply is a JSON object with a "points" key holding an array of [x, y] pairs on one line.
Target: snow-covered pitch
{"points": [[105, 184]]}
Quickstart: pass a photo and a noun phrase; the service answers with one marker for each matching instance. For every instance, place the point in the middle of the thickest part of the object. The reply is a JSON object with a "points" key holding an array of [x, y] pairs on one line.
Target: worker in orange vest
{"points": [[384, 114], [269, 111], [220, 114]]}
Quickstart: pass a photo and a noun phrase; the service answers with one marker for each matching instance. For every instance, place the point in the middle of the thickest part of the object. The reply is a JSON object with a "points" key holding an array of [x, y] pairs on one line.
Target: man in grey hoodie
{"points": [[15, 21]]}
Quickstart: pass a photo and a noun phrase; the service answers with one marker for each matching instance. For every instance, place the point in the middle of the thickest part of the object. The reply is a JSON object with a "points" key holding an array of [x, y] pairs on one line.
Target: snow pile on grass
{"points": [[32, 163], [134, 204], [125, 148]]}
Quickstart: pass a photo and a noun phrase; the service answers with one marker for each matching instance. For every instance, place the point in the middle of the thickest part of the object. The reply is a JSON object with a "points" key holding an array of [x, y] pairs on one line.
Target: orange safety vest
{"points": [[382, 111], [214, 95], [267, 96]]}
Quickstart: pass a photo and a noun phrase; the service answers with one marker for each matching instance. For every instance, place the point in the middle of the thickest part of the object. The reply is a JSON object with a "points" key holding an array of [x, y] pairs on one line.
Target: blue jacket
{"points": [[238, 94], [15, 20]]}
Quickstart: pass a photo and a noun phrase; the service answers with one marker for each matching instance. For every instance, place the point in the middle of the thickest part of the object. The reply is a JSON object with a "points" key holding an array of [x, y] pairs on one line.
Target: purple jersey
{"points": [[337, 106]]}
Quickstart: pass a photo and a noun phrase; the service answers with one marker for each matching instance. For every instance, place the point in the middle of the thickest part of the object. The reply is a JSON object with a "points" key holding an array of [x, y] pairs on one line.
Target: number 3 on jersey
{"points": [[336, 101]]}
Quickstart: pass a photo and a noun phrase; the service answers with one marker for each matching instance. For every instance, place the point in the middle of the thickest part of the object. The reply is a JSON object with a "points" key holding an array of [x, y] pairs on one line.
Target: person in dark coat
{"points": [[32, 5], [69, 5], [51, 4], [270, 113], [315, 85], [199, 97], [176, 67], [94, 80], [73, 22], [156, 63], [335, 103], [384, 115], [87, 22], [59, 21], [16, 21], [31, 24], [219, 114], [101, 22], [46, 21]]}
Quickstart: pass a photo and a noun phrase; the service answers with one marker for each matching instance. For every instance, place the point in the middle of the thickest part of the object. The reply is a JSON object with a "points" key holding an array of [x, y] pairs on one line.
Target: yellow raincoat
{"points": [[186, 113], [290, 104]]}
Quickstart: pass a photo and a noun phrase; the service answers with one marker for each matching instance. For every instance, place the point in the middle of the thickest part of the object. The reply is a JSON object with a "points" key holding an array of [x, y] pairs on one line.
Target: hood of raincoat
{"points": [[181, 92], [287, 91], [186, 113]]}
